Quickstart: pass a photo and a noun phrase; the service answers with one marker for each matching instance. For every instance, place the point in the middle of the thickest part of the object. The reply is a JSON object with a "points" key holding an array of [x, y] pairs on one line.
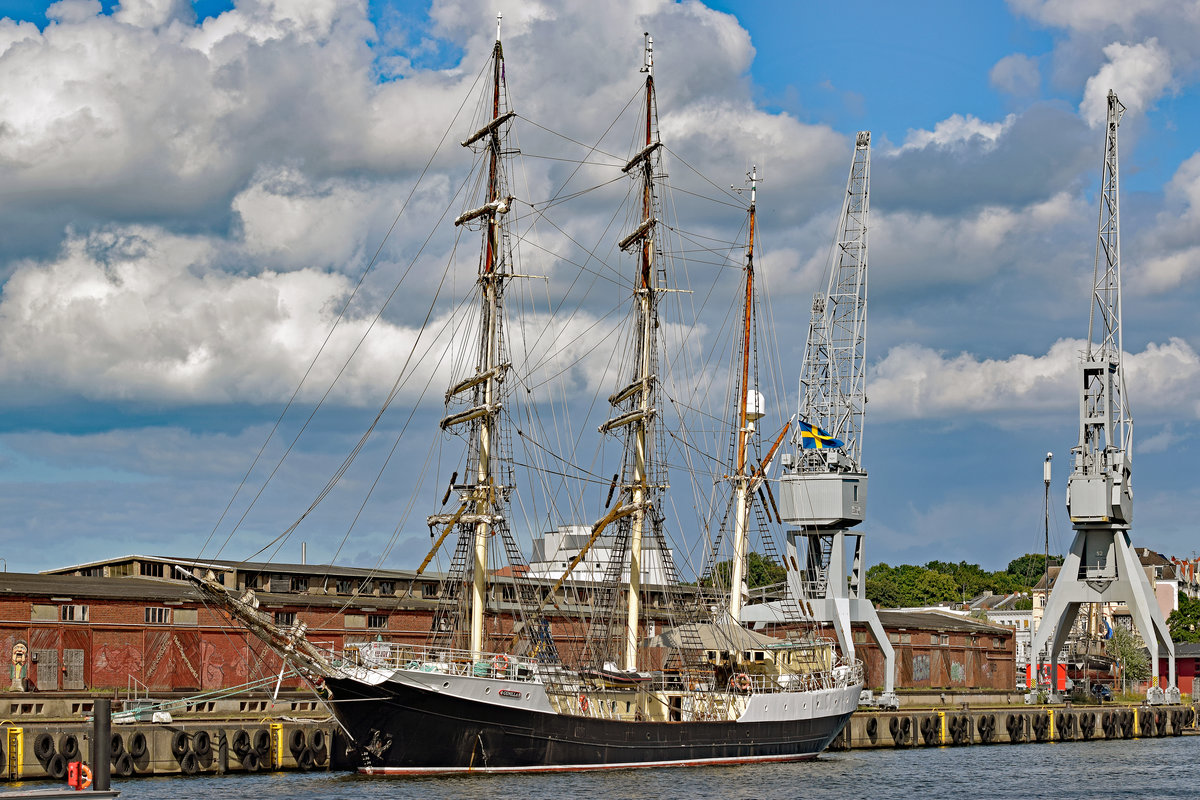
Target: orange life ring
{"points": [[583, 703], [500, 662], [85, 776], [741, 682]]}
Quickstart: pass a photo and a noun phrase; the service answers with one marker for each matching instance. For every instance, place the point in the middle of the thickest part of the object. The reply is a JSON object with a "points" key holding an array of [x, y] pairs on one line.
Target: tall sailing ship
{"points": [[477, 699]]}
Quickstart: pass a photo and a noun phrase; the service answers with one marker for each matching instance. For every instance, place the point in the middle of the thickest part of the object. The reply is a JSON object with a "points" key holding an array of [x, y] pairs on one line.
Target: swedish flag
{"points": [[813, 438]]}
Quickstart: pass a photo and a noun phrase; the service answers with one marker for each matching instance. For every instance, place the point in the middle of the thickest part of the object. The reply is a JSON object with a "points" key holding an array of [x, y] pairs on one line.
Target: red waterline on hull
{"points": [[419, 771]]}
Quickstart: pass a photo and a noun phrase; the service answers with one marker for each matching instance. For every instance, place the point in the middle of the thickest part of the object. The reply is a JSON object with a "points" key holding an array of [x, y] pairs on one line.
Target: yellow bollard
{"points": [[941, 727], [1051, 724]]}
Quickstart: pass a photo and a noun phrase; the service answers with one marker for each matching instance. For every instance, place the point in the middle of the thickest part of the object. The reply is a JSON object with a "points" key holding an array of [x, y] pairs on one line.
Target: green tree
{"points": [[1184, 622], [1030, 567], [909, 585], [1127, 648], [760, 571]]}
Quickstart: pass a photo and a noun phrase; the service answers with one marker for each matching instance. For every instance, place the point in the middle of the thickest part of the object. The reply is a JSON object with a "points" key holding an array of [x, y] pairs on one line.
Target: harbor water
{"points": [[1095, 770]]}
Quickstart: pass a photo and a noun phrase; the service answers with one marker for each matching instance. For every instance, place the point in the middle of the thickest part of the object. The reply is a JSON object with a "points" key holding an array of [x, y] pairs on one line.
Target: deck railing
{"points": [[445, 661], [441, 660]]}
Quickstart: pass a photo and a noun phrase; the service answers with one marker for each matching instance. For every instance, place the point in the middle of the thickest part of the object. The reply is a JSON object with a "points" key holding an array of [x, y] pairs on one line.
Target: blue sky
{"points": [[191, 191]]}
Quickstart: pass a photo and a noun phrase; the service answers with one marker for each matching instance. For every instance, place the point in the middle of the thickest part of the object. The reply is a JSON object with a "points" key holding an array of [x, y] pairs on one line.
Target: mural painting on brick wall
{"points": [[957, 673], [114, 663], [221, 663], [186, 672], [19, 666], [159, 667]]}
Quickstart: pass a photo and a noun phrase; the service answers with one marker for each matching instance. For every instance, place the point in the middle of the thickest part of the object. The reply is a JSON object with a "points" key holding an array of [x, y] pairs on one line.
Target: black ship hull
{"points": [[404, 730]]}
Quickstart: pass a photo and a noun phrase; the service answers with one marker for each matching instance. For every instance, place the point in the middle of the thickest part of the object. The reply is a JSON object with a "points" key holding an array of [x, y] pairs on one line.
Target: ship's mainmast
{"points": [[638, 396], [482, 496], [824, 490], [1101, 566]]}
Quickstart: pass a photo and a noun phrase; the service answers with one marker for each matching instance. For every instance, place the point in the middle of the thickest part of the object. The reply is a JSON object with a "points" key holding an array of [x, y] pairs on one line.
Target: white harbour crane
{"points": [[1102, 566], [823, 489]]}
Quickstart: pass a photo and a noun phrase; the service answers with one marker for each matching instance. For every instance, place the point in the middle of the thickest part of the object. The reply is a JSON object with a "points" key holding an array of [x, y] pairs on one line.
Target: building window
{"points": [[429, 590], [387, 587], [252, 581], [345, 586], [151, 569], [74, 613], [996, 642], [285, 617], [377, 620], [158, 616], [299, 583]]}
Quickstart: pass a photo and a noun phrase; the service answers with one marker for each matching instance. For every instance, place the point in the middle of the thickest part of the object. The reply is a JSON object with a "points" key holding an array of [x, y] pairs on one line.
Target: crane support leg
{"points": [[1102, 567], [832, 602]]}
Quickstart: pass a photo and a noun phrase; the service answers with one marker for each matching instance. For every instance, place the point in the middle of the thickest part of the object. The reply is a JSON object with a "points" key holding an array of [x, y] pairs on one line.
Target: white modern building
{"points": [[554, 551]]}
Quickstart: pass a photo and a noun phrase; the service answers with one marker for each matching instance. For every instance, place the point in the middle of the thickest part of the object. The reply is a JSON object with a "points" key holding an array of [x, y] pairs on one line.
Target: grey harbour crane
{"points": [[1101, 566], [823, 488]]}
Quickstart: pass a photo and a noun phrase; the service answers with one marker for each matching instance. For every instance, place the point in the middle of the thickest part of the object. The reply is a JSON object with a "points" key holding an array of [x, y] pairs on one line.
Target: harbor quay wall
{"points": [[40, 735], [1012, 725]]}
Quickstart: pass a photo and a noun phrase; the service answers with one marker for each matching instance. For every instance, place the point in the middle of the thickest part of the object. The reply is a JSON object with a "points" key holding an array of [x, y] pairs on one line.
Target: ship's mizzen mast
{"points": [[1102, 566], [746, 417]]}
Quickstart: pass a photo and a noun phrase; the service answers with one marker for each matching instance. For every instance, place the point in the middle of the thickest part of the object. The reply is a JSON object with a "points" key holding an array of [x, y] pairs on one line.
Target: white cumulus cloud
{"points": [[1138, 73]]}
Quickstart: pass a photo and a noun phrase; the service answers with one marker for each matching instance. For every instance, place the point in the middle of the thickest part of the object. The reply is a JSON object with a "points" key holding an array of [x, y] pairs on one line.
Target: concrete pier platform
{"points": [[1011, 725]]}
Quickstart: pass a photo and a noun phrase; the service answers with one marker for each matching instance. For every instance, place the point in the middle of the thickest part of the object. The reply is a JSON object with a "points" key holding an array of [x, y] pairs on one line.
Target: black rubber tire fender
{"points": [[872, 728], [250, 761], [116, 746], [189, 764], [305, 760], [297, 741], [202, 743], [123, 766], [179, 744], [43, 747], [262, 741], [68, 745], [56, 766], [317, 740], [137, 744], [894, 725], [241, 742]]}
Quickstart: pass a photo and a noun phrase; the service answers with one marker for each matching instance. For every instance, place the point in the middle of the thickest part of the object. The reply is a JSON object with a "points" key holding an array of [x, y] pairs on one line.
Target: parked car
{"points": [[1101, 692]]}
